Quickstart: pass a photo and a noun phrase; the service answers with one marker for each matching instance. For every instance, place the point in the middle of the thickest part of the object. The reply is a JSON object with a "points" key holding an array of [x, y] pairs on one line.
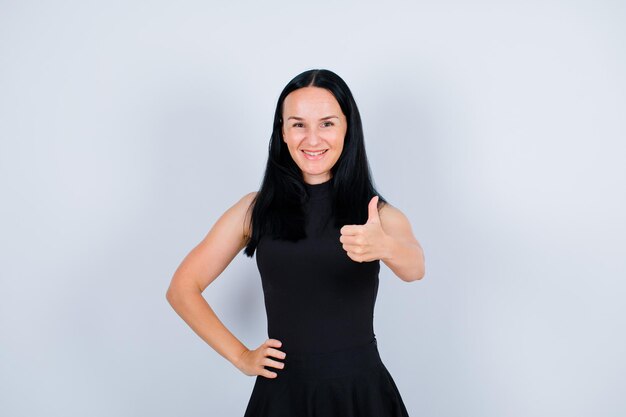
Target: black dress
{"points": [[320, 305]]}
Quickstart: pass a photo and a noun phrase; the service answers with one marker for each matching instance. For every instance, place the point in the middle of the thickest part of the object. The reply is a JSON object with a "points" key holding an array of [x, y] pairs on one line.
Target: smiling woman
{"points": [[315, 141], [319, 229]]}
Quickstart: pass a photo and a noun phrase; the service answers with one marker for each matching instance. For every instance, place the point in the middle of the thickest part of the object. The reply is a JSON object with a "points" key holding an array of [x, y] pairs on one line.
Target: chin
{"points": [[317, 171], [311, 168]]}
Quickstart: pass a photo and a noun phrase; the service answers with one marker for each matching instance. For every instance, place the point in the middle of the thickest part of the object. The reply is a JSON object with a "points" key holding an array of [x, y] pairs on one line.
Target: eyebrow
{"points": [[323, 118]]}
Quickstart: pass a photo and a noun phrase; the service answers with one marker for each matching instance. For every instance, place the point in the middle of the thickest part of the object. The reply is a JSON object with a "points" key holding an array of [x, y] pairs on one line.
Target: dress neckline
{"points": [[318, 191]]}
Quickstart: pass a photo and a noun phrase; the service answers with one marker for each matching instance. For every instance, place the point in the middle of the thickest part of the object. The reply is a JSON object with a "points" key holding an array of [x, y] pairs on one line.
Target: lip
{"points": [[314, 158]]}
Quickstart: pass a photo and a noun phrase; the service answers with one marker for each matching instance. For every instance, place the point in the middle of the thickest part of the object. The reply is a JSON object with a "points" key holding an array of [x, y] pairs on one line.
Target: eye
{"points": [[328, 123], [296, 124]]}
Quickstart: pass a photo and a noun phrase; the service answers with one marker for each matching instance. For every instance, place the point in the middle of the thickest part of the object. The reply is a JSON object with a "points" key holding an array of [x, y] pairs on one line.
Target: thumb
{"points": [[372, 211]]}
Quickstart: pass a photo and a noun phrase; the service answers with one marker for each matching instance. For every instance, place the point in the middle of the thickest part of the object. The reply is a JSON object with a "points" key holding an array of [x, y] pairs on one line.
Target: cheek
{"points": [[292, 137], [291, 144], [333, 137], [338, 140]]}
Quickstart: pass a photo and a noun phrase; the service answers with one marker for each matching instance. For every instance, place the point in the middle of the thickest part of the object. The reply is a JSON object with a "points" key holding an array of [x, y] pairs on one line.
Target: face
{"points": [[312, 123]]}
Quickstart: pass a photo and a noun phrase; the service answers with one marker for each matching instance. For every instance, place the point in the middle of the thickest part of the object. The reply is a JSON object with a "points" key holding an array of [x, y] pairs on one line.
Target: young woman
{"points": [[320, 230]]}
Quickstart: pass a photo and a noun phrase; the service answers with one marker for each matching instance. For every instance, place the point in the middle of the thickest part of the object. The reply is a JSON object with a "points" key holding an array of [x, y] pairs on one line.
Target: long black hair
{"points": [[277, 208]]}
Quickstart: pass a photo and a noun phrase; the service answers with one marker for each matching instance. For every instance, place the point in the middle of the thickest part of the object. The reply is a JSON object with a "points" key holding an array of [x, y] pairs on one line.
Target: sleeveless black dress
{"points": [[320, 305]]}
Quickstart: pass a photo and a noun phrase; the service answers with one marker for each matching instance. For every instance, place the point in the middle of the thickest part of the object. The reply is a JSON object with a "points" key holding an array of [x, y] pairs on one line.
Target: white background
{"points": [[127, 128]]}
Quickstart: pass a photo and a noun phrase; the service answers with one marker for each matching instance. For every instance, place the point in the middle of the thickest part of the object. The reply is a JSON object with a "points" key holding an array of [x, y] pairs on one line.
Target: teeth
{"points": [[315, 153]]}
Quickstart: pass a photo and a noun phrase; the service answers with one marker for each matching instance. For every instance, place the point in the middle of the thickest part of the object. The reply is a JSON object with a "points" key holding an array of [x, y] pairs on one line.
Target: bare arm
{"points": [[404, 254], [387, 236], [202, 266]]}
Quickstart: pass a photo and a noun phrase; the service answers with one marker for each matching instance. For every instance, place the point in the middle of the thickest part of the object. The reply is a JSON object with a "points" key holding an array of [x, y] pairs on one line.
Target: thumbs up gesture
{"points": [[367, 242]]}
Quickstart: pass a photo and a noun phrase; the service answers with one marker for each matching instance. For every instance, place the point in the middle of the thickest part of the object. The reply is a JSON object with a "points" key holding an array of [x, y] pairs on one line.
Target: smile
{"points": [[314, 155]]}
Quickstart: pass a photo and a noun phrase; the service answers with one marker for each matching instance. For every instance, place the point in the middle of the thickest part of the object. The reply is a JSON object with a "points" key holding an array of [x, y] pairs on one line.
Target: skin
{"points": [[313, 120], [387, 234]]}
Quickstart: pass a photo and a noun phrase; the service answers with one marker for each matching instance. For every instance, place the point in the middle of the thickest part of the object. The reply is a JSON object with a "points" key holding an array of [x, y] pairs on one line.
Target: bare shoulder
{"points": [[246, 204], [237, 219], [395, 222], [217, 249], [390, 212], [250, 196]]}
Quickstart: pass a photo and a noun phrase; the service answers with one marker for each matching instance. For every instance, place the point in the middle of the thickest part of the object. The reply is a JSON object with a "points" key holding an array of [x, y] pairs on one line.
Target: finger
{"points": [[372, 211], [350, 240], [355, 257], [354, 249], [275, 353], [268, 374], [354, 240], [273, 363], [273, 343], [350, 230]]}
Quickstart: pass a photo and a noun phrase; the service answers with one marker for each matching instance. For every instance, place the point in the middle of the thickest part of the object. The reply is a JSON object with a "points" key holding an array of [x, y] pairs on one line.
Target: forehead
{"points": [[311, 101]]}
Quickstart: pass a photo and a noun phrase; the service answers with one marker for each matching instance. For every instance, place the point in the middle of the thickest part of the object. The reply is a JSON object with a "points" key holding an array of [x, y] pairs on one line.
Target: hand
{"points": [[251, 362], [367, 242]]}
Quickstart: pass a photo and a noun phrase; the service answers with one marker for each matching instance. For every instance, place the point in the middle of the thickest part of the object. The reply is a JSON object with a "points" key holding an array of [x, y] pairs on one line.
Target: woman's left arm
{"points": [[403, 254], [386, 236]]}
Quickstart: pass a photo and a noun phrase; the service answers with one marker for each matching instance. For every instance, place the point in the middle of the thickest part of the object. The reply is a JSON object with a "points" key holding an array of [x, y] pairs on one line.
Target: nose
{"points": [[313, 138]]}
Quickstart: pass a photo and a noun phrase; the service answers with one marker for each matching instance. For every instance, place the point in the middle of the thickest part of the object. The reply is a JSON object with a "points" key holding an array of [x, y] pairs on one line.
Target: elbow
{"points": [[421, 267], [180, 293], [173, 295], [419, 275], [180, 288], [170, 295]]}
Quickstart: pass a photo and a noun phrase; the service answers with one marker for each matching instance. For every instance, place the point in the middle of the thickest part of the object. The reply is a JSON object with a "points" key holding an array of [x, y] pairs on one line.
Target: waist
{"points": [[331, 364]]}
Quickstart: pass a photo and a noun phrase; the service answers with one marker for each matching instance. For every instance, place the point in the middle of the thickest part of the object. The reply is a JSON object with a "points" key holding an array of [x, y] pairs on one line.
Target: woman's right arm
{"points": [[202, 266]]}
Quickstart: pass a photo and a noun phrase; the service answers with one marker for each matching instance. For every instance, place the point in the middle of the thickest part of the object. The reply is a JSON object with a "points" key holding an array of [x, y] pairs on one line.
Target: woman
{"points": [[320, 229]]}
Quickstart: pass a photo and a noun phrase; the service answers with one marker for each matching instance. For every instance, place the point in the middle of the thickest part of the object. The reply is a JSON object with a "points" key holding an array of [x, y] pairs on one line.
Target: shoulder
{"points": [[393, 220], [238, 216], [248, 199], [245, 205], [390, 212]]}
